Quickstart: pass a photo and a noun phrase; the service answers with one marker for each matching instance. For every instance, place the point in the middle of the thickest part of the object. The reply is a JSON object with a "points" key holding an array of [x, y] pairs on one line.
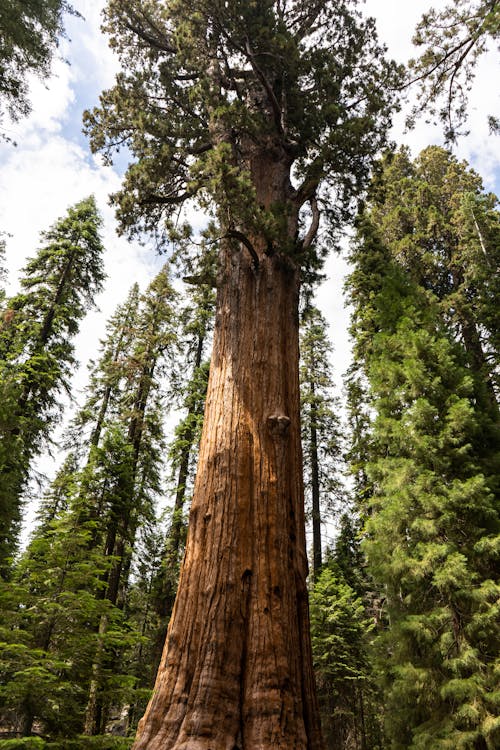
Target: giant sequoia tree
{"points": [[266, 113]]}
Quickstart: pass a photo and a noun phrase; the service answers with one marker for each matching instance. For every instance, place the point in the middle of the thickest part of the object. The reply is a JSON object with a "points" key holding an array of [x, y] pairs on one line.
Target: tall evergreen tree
{"points": [[446, 232], [321, 432], [107, 377], [137, 434], [433, 516], [220, 102], [342, 632], [76, 569], [36, 351], [195, 335]]}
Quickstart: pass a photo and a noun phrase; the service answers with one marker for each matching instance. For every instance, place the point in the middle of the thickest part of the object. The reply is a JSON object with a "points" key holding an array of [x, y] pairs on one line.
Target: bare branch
{"points": [[313, 229]]}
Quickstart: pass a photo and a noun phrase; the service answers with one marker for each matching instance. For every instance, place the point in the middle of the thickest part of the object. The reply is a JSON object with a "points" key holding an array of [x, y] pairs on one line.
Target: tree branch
{"points": [[157, 40], [307, 191], [277, 111], [313, 229], [164, 200], [237, 235]]}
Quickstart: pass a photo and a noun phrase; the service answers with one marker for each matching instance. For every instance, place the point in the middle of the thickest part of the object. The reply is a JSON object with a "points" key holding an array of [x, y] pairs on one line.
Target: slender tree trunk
{"points": [[123, 525], [237, 669], [316, 510], [486, 394], [27, 721], [174, 538], [93, 712]]}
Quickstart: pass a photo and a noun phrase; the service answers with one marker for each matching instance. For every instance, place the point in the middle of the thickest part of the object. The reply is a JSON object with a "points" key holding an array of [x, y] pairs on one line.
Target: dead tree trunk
{"points": [[236, 671]]}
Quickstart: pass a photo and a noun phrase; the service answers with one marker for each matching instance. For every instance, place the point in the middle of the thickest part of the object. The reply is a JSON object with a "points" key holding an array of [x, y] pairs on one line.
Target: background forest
{"points": [[401, 445]]}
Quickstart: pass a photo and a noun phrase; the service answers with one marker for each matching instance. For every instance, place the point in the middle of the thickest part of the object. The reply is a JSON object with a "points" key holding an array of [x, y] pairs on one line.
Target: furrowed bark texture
{"points": [[236, 671]]}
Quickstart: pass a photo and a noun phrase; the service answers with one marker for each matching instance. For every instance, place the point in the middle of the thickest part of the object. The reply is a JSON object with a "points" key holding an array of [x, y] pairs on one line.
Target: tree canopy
{"points": [[453, 40], [421, 322], [30, 32], [205, 85]]}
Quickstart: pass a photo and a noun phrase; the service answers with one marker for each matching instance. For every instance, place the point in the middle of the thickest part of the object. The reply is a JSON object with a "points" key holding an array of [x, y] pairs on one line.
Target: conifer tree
{"points": [[342, 632], [48, 618], [321, 434], [76, 569], [220, 102], [433, 519], [36, 351], [197, 323], [139, 434], [446, 232], [453, 38], [30, 34], [107, 377]]}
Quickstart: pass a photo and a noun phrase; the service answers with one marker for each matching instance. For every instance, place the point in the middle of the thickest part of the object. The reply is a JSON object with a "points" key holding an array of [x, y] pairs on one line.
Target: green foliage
{"points": [[30, 33], [432, 516], [36, 350], [72, 636], [341, 634], [453, 38], [104, 742], [320, 423], [202, 84], [25, 743]]}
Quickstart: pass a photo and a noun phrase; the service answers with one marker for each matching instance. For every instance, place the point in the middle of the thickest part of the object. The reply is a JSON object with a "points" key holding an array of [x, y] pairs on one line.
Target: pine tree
{"points": [[137, 435], [433, 519], [321, 432], [342, 633], [446, 232], [108, 376], [49, 614], [197, 324], [76, 570], [219, 102], [36, 350]]}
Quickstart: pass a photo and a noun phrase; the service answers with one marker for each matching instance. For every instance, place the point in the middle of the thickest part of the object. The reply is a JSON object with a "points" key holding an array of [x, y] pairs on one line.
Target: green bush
{"points": [[101, 742], [23, 743]]}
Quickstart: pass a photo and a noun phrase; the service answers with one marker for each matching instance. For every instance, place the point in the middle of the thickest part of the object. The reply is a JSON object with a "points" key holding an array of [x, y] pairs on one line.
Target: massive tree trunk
{"points": [[236, 671]]}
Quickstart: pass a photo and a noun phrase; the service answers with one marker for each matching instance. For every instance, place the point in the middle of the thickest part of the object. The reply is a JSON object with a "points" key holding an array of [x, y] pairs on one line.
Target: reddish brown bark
{"points": [[236, 671]]}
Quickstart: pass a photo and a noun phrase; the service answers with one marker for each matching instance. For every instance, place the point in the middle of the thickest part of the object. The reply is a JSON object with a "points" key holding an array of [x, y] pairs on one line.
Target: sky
{"points": [[52, 168]]}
